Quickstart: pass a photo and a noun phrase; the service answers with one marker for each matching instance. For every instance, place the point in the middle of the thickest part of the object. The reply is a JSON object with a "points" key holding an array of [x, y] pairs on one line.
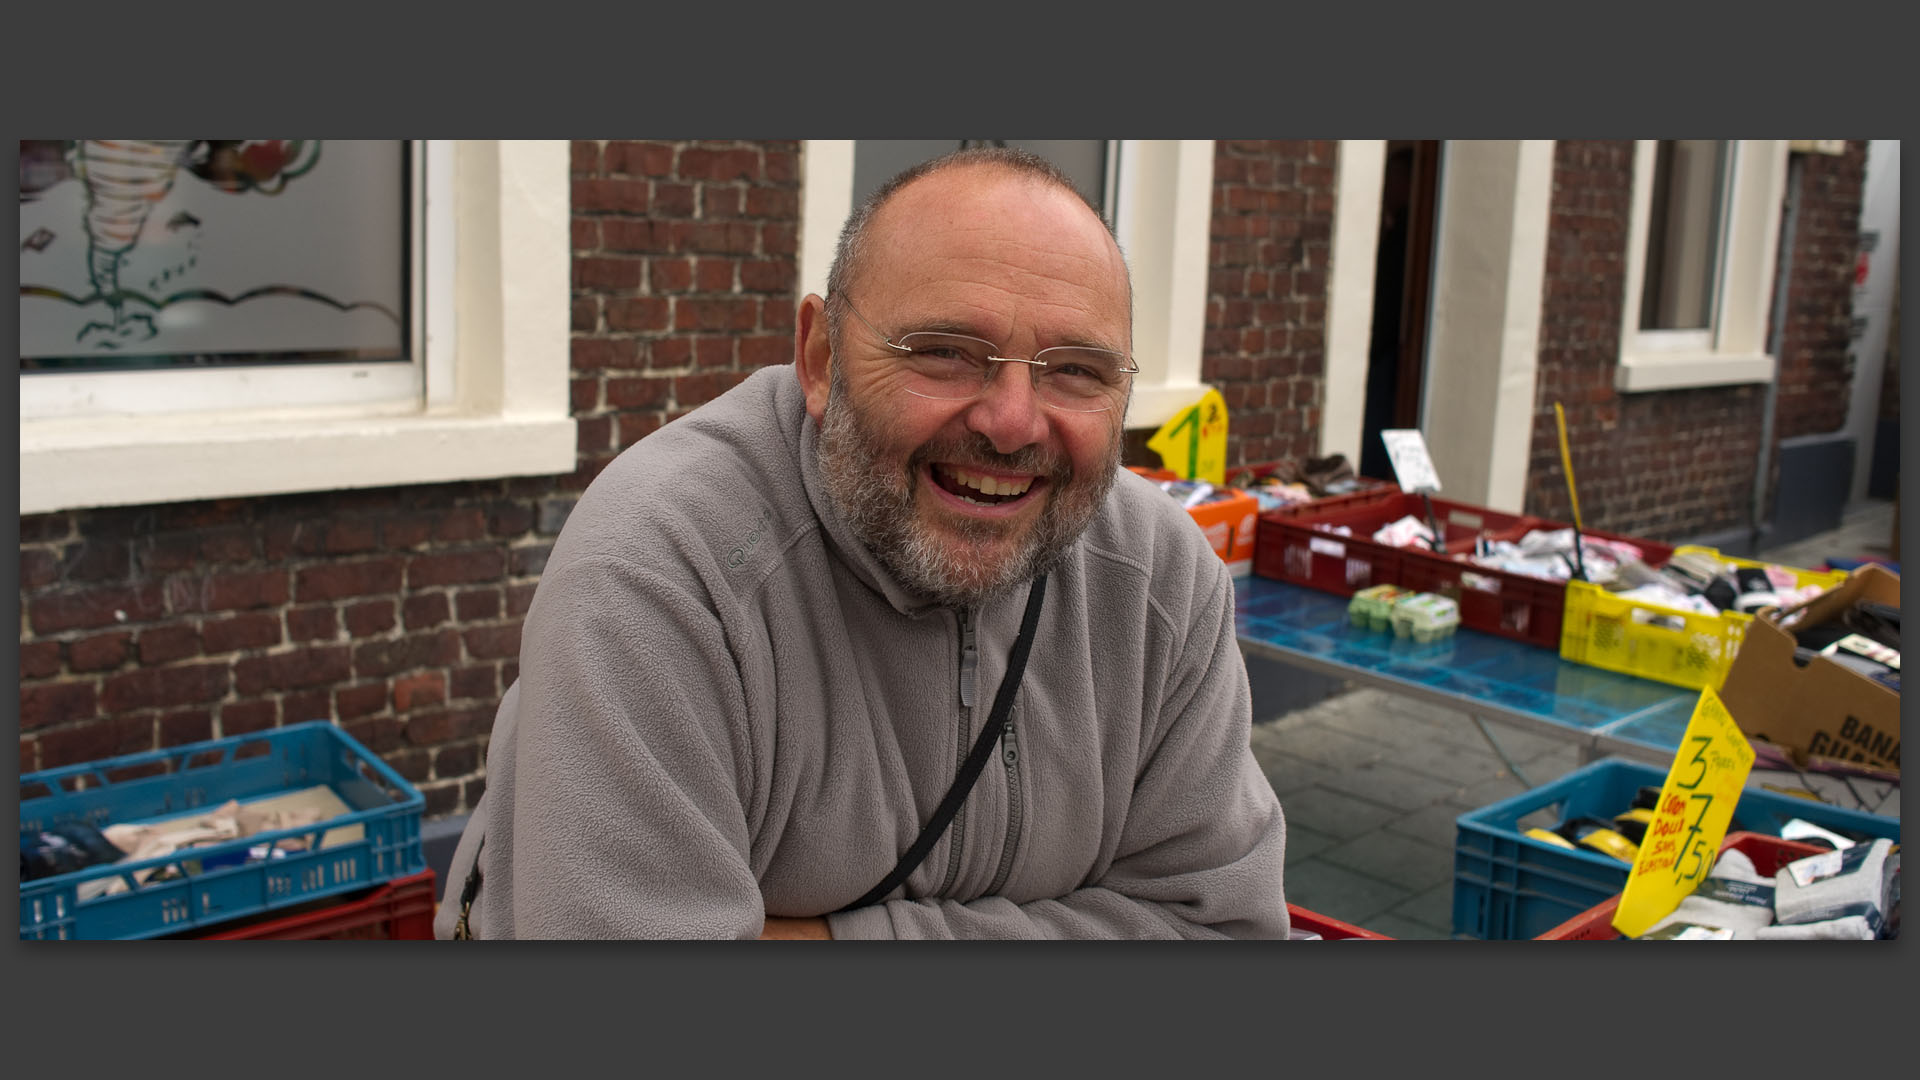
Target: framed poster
{"points": [[142, 254]]}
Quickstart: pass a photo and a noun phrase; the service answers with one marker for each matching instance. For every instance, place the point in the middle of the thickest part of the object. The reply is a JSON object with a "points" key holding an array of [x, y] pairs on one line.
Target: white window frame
{"points": [[1733, 350], [1162, 212], [496, 290]]}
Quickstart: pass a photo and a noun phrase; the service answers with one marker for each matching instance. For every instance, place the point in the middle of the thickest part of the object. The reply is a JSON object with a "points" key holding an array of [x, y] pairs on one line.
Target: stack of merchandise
{"points": [[1864, 636], [1290, 484], [1550, 554], [1700, 583], [1192, 493], [1851, 893], [1424, 617]]}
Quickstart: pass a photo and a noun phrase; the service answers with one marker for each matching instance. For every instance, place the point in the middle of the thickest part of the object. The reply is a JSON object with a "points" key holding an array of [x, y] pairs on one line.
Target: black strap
{"points": [[977, 760]]}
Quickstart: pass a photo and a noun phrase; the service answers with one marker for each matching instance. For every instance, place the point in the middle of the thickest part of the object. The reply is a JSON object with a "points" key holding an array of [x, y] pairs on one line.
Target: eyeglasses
{"points": [[955, 367]]}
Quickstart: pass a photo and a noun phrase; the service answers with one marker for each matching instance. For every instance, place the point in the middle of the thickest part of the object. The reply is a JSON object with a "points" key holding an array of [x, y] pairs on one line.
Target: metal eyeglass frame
{"points": [[1034, 361]]}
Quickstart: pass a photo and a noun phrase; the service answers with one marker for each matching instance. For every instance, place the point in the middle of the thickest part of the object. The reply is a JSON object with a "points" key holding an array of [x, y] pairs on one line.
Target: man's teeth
{"points": [[987, 485]]}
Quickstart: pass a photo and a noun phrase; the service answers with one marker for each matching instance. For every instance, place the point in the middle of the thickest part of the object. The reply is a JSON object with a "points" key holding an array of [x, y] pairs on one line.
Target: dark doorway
{"points": [[1402, 294]]}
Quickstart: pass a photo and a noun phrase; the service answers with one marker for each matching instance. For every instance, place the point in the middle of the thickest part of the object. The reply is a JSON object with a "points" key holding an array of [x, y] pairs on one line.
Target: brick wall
{"points": [[1815, 370], [396, 612], [1664, 465], [1268, 257]]}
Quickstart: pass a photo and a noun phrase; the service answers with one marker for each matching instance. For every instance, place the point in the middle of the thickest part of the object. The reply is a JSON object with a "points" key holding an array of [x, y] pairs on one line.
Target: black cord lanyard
{"points": [[977, 760]]}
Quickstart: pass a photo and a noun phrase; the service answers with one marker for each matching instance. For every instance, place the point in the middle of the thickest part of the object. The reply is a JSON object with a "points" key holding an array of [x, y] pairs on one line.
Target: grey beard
{"points": [[948, 567]]}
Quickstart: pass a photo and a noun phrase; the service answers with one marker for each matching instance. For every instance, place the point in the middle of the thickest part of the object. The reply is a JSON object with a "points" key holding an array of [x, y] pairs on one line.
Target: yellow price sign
{"points": [[1193, 444], [1696, 805]]}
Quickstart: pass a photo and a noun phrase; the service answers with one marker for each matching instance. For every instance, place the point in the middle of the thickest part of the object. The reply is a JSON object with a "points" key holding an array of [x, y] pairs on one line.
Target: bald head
{"points": [[859, 236]]}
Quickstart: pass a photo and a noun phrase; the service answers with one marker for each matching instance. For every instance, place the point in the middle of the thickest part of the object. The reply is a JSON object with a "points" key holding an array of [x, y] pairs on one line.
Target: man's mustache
{"points": [[977, 450]]}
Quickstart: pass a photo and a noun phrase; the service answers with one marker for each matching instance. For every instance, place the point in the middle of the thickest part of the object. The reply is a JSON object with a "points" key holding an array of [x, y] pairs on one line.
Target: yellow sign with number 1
{"points": [[1193, 445], [1696, 804]]}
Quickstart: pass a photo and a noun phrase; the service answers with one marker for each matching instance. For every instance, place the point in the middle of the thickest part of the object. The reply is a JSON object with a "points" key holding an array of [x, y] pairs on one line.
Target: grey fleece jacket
{"points": [[726, 707]]}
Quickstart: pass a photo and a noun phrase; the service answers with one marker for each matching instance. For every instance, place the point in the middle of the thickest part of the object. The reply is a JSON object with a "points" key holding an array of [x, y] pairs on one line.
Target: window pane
{"points": [[1683, 234], [875, 161], [157, 254]]}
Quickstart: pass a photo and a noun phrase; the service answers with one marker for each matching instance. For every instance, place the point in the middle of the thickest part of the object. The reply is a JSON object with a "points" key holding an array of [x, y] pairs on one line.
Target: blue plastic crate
{"points": [[1508, 886], [202, 776]]}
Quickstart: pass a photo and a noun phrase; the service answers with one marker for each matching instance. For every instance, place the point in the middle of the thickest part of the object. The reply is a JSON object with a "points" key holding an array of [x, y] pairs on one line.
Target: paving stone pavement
{"points": [[1372, 782]]}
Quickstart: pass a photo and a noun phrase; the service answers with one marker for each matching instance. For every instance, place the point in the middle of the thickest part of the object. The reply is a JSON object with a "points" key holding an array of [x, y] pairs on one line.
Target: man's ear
{"points": [[813, 354]]}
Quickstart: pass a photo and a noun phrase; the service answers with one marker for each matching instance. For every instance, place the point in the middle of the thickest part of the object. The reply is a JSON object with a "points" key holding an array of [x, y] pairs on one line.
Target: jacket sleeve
{"points": [[1203, 845], [627, 799]]}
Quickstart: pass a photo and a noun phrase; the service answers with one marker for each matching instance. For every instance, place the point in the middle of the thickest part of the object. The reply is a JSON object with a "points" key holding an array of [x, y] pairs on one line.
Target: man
{"points": [[771, 632]]}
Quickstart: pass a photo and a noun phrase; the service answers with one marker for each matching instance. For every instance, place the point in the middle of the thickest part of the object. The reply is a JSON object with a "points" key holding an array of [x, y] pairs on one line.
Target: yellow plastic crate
{"points": [[1653, 641]]}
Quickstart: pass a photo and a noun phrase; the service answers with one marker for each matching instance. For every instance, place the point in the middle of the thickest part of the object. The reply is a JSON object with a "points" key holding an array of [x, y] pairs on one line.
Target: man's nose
{"points": [[1009, 411]]}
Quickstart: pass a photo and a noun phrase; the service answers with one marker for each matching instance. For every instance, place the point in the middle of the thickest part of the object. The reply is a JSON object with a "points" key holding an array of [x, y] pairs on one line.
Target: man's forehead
{"points": [[982, 205]]}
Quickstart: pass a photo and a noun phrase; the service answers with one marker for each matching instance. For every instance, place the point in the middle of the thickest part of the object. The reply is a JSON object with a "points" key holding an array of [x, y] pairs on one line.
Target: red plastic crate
{"points": [[1328, 928], [1769, 854], [400, 910]]}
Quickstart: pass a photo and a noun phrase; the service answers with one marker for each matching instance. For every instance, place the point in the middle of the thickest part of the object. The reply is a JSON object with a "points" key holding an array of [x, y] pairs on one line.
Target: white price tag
{"points": [[1411, 464]]}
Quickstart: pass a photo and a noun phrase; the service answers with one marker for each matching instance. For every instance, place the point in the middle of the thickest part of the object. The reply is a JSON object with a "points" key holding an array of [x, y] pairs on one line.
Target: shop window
{"points": [[1703, 240], [203, 319]]}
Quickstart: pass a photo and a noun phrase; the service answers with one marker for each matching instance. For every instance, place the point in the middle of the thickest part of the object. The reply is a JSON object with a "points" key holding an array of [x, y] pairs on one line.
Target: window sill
{"points": [[1677, 371], [66, 465]]}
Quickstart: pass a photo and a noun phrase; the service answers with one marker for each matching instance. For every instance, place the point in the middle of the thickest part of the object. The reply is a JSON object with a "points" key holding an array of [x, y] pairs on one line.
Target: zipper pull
{"points": [[1009, 746], [969, 660]]}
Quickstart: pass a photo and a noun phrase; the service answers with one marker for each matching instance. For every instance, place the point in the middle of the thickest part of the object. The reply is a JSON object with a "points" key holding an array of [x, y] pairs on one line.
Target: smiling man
{"points": [[885, 643]]}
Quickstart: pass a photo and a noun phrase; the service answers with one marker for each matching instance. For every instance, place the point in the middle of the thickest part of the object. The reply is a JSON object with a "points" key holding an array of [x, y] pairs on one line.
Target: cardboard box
{"points": [[1228, 524], [1824, 710]]}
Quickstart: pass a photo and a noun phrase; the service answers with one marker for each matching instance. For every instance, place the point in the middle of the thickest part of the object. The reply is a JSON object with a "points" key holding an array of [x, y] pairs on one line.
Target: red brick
{"points": [[303, 705], [531, 559], [584, 156], [478, 681], [431, 609], [98, 653], [168, 643], [96, 560], [39, 659], [43, 528], [460, 524], [185, 726], [186, 684], [520, 598], [406, 530], [369, 617], [713, 275], [78, 744], [231, 545], [610, 196], [591, 434], [607, 273], [637, 313], [317, 623], [45, 704], [773, 202], [472, 790], [354, 701], [454, 568], [639, 158], [715, 237], [493, 642], [767, 275], [452, 761], [595, 354], [672, 200], [332, 581], [415, 765], [243, 717], [380, 734], [445, 725], [255, 630], [701, 164], [763, 351], [779, 239], [584, 395], [301, 667], [638, 393], [676, 352], [250, 589], [719, 202], [638, 237], [477, 604], [584, 234], [782, 166], [670, 275], [690, 390], [87, 609], [714, 351], [426, 688], [440, 799], [637, 426], [351, 537], [584, 314], [727, 314], [439, 648], [38, 567]]}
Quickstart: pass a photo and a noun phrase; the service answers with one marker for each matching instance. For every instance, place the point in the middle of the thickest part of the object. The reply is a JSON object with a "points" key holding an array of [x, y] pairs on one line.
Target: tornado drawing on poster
{"points": [[158, 253]]}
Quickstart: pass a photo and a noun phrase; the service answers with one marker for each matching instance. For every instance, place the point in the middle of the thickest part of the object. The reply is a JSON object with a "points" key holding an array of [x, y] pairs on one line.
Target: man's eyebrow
{"points": [[938, 325]]}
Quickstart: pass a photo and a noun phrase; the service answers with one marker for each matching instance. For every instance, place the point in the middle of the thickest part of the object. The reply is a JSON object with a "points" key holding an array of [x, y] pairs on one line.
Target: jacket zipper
{"points": [[1010, 754], [969, 675]]}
